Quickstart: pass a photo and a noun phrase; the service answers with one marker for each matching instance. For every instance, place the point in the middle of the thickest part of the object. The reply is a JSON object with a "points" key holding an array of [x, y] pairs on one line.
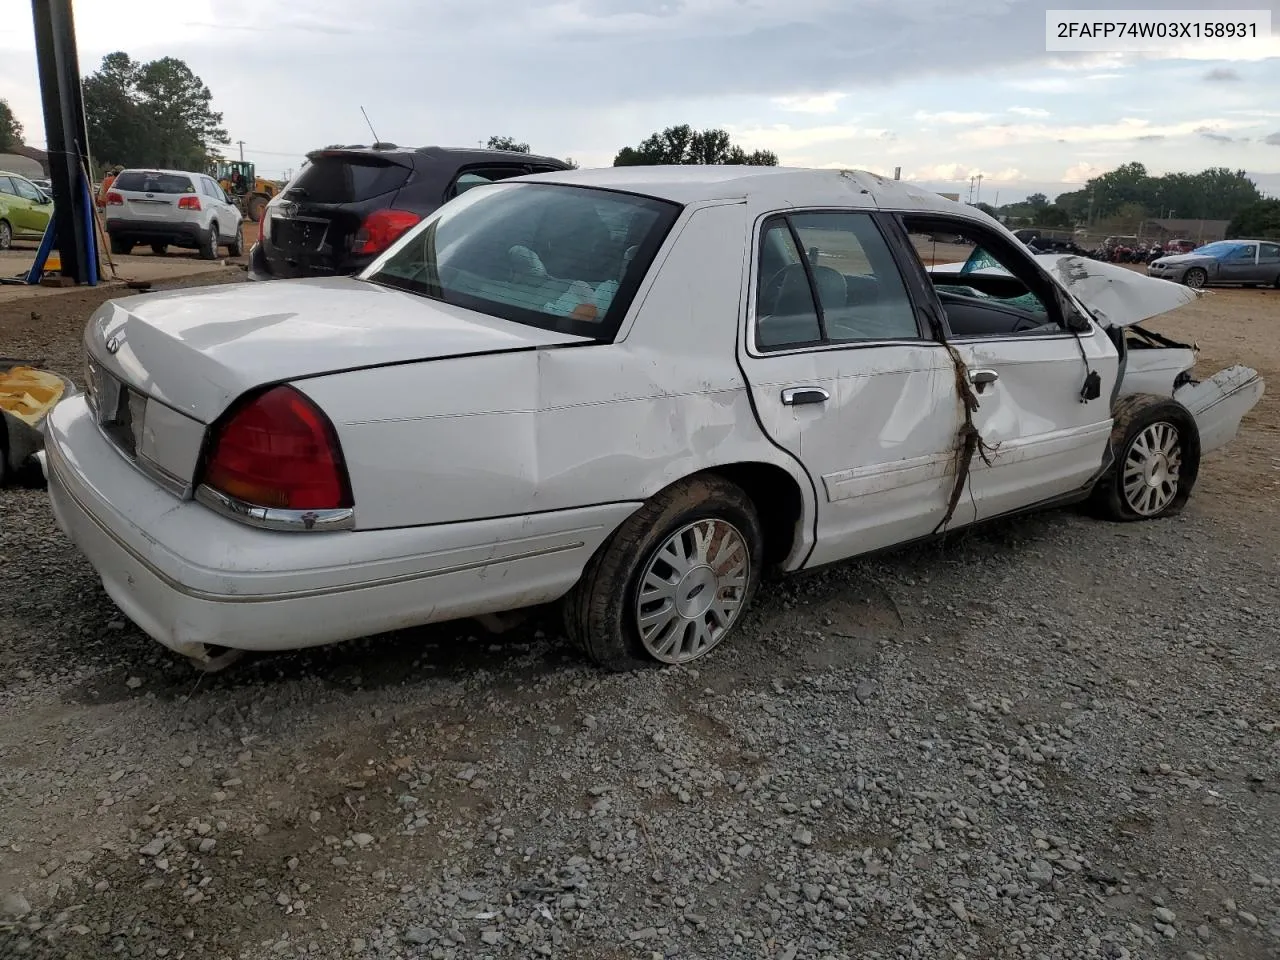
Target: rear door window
{"points": [[347, 179], [6, 186], [140, 182], [478, 176]]}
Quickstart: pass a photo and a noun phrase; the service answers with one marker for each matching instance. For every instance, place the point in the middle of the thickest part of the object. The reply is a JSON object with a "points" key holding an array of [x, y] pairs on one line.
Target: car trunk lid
{"points": [[195, 351], [148, 195]]}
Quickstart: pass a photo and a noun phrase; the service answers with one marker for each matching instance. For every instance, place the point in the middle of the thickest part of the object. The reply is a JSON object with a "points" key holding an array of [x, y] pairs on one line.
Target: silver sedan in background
{"points": [[1248, 262]]}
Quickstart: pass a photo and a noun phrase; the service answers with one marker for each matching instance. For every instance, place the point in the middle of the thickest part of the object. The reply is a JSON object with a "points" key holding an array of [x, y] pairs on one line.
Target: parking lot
{"points": [[1051, 737]]}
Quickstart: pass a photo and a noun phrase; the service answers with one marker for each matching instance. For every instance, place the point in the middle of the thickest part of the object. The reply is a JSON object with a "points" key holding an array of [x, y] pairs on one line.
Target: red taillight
{"points": [[114, 199], [381, 229], [280, 451], [189, 203]]}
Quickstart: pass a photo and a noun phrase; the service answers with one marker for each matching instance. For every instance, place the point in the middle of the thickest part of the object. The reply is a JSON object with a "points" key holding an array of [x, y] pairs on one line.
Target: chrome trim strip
{"points": [[55, 463], [269, 518]]}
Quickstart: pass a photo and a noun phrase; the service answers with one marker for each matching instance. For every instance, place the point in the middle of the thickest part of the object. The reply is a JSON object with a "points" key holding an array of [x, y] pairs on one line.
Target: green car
{"points": [[25, 209]]}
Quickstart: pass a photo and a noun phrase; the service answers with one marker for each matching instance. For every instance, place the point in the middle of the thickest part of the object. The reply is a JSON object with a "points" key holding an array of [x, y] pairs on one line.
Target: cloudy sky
{"points": [[946, 89]]}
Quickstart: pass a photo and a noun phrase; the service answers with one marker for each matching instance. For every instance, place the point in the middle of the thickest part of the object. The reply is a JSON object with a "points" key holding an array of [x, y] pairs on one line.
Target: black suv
{"points": [[348, 204]]}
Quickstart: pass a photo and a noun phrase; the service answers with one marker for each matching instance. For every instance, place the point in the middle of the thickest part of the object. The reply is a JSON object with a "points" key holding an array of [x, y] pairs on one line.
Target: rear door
{"points": [[844, 378], [322, 209], [1042, 438], [1269, 263]]}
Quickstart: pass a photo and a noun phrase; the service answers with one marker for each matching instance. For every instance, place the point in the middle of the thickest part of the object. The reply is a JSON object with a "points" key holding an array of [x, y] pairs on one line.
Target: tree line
{"points": [[160, 114]]}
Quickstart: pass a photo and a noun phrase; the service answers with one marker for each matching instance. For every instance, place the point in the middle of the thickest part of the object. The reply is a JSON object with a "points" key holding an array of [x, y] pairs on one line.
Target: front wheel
{"points": [[1157, 451], [159, 249], [1195, 278], [6, 235], [673, 581]]}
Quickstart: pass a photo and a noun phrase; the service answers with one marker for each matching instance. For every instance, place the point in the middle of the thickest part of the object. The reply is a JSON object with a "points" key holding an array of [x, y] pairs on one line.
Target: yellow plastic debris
{"points": [[28, 393]]}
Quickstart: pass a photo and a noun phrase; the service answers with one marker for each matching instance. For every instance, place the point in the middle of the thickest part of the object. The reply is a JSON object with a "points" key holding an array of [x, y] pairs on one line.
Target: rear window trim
{"points": [[606, 330]]}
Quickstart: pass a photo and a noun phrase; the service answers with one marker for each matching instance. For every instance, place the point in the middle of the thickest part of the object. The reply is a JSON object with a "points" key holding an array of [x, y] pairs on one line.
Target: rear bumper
{"points": [[1220, 403], [154, 231], [191, 578], [264, 267]]}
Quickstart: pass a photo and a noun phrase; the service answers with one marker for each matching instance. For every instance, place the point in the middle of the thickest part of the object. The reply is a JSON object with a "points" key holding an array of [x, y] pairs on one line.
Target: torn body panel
{"points": [[1220, 403]]}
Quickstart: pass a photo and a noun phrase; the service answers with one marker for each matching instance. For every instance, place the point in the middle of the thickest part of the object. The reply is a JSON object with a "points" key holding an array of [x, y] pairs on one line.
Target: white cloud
{"points": [[950, 116], [1029, 111], [784, 137], [955, 172], [816, 103], [1127, 128], [1081, 172]]}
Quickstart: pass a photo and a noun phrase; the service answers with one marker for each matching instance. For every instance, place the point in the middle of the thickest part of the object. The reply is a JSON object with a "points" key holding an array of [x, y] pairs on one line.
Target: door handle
{"points": [[982, 378], [794, 396]]}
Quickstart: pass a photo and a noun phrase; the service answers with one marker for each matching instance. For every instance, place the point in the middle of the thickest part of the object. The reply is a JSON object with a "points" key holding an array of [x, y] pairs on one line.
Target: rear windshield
{"points": [[144, 182], [552, 256], [346, 179]]}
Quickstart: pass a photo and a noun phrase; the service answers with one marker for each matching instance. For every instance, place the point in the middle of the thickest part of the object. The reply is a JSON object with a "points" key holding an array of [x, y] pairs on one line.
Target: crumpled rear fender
{"points": [[1220, 403]]}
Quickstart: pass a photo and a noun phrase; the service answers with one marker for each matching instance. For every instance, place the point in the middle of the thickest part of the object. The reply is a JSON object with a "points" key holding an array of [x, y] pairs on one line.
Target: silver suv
{"points": [[166, 208]]}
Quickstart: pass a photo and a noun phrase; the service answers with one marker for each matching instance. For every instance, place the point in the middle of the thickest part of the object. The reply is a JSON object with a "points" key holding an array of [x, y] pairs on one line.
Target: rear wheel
{"points": [[159, 249], [1195, 278], [255, 205], [1157, 451], [121, 247], [208, 249], [673, 581]]}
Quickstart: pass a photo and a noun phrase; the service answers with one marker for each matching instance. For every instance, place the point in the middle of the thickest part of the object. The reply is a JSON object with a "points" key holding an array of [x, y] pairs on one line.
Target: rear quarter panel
{"points": [[556, 428]]}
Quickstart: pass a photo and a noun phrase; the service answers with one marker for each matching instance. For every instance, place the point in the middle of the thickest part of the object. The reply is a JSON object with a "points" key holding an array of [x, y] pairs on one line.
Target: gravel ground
{"points": [[1055, 738]]}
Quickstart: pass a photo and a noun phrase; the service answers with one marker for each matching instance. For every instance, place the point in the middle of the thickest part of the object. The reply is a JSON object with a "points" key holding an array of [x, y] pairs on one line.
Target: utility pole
{"points": [[979, 194], [240, 144], [58, 67]]}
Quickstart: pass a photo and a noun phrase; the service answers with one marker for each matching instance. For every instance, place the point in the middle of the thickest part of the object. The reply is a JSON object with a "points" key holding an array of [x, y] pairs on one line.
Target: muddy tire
{"points": [[1157, 460], [1195, 278], [6, 235], [672, 581], [254, 206], [208, 249]]}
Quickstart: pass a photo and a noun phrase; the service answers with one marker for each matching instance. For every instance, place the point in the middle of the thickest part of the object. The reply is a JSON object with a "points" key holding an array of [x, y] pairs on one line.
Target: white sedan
{"points": [[631, 390]]}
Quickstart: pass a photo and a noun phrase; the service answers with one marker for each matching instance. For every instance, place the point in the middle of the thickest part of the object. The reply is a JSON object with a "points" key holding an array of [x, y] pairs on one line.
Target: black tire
{"points": [[600, 612], [121, 248], [6, 235], [208, 249], [1277, 283], [236, 246], [159, 249], [1134, 416], [1195, 278]]}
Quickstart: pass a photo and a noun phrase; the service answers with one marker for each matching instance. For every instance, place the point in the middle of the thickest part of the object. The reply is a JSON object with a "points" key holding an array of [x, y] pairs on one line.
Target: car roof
{"points": [[6, 173], [176, 173], [453, 154], [780, 186]]}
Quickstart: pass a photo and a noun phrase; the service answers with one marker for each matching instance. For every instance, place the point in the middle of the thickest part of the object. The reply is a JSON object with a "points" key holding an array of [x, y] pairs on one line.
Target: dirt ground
{"points": [[1048, 738]]}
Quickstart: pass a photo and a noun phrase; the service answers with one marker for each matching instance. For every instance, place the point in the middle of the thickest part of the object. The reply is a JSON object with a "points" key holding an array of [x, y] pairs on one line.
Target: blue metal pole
{"points": [[90, 235]]}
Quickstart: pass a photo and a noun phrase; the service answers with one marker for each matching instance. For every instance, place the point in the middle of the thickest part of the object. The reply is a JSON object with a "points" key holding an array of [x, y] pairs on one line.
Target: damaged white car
{"points": [[630, 390]]}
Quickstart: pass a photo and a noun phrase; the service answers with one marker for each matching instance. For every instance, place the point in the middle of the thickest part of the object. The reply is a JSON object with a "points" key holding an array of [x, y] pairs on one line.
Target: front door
{"points": [[1041, 437], [1240, 265], [844, 378]]}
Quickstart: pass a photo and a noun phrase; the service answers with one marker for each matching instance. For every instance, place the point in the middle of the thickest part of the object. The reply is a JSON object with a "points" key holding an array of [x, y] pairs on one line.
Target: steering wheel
{"points": [[773, 287]]}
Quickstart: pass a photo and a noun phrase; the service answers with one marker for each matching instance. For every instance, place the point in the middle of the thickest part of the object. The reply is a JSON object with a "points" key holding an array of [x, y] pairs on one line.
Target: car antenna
{"points": [[371, 130]]}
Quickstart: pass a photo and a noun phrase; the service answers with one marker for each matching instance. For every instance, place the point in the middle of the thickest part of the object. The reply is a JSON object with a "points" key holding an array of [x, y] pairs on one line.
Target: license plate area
{"points": [[119, 411], [298, 234]]}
